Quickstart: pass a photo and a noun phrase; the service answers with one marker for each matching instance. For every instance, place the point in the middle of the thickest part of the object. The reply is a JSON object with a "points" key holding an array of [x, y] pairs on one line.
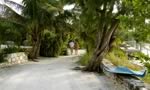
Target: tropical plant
{"points": [[37, 15], [98, 17], [41, 14], [103, 18], [137, 25], [50, 46], [84, 60], [2, 56]]}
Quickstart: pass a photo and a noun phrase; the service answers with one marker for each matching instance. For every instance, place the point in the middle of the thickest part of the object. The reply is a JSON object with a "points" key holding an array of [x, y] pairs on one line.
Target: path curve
{"points": [[52, 74]]}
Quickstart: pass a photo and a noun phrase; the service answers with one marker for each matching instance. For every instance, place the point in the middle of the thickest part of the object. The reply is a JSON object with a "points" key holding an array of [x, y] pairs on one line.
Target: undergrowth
{"points": [[84, 59], [119, 58]]}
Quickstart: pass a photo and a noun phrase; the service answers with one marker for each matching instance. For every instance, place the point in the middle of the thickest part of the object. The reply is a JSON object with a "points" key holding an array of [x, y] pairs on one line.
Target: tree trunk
{"points": [[36, 42], [38, 48], [104, 42], [35, 50], [95, 62]]}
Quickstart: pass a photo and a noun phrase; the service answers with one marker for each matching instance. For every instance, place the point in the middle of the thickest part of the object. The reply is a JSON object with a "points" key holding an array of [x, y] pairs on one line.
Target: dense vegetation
{"points": [[47, 27]]}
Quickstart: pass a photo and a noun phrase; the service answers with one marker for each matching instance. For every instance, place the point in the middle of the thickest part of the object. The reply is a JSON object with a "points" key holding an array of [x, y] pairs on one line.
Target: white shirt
{"points": [[71, 44]]}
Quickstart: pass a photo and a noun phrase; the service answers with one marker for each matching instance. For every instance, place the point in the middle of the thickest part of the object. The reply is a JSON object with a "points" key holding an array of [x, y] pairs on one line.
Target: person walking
{"points": [[76, 46], [71, 46]]}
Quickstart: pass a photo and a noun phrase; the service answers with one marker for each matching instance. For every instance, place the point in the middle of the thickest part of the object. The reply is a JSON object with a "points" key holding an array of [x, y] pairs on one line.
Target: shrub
{"points": [[12, 50], [2, 56], [147, 78], [5, 51], [140, 56], [51, 45], [143, 58], [84, 60], [148, 66], [119, 58], [64, 51]]}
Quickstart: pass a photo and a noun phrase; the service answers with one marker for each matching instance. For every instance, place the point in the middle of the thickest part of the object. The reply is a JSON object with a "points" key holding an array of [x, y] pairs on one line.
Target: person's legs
{"points": [[76, 51], [71, 49]]}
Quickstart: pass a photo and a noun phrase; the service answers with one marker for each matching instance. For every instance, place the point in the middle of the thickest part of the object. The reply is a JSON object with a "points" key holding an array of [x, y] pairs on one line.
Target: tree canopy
{"points": [[97, 22]]}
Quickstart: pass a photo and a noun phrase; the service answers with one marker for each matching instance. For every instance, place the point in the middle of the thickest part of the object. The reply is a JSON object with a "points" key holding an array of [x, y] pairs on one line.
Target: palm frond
{"points": [[6, 20], [8, 13], [50, 8], [16, 5]]}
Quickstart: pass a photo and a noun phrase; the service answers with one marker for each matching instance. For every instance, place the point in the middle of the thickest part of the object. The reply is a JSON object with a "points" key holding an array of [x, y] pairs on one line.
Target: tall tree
{"points": [[103, 17], [36, 16], [11, 24], [41, 14], [138, 23]]}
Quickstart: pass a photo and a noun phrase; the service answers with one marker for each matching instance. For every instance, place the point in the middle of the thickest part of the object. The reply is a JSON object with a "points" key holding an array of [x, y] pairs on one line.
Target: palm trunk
{"points": [[35, 50], [38, 48], [36, 42]]}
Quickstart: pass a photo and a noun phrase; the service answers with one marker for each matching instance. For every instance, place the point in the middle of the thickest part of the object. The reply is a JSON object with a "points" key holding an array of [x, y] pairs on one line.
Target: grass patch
{"points": [[84, 60], [145, 60], [119, 58], [147, 78]]}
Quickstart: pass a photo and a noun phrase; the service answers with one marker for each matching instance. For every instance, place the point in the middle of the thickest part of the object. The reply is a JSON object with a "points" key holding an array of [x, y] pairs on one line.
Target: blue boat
{"points": [[125, 70]]}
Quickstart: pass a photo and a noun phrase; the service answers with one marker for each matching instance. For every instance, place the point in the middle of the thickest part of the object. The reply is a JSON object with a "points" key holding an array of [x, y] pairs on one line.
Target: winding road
{"points": [[52, 74]]}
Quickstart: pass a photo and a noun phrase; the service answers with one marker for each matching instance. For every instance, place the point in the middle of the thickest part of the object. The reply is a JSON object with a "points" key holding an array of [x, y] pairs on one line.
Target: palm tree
{"points": [[10, 24], [41, 13], [98, 18], [36, 16]]}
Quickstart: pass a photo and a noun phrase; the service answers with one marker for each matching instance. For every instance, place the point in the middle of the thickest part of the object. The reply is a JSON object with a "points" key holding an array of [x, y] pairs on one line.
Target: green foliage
{"points": [[81, 44], [143, 58], [147, 78], [119, 58], [2, 56], [148, 66], [48, 43], [36, 16], [140, 56], [9, 50], [51, 44], [119, 53], [65, 40], [84, 60], [12, 50], [64, 51], [9, 33], [133, 24]]}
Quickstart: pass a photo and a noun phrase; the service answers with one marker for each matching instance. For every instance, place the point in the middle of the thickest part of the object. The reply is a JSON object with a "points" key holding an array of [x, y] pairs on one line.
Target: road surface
{"points": [[52, 74]]}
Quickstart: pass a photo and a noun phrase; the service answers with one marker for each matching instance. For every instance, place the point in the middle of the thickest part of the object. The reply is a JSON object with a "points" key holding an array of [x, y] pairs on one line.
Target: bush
{"points": [[143, 58], [148, 66], [147, 78], [6, 51], [2, 56], [51, 45], [140, 56], [64, 51], [12, 50], [84, 60], [119, 58]]}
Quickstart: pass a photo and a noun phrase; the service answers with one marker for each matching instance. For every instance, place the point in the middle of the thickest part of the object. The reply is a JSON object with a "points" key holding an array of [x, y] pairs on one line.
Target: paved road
{"points": [[51, 74]]}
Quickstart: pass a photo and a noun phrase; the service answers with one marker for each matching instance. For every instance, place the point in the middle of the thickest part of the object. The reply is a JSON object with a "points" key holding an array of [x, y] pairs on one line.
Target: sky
{"points": [[18, 1], [1, 1]]}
